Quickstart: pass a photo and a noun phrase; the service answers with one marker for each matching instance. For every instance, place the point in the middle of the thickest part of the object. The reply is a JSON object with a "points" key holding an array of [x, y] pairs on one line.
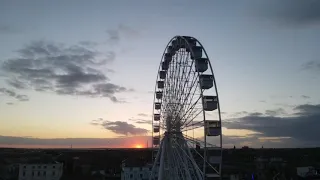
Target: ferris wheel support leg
{"points": [[155, 162], [185, 166], [161, 168], [205, 156], [185, 149], [193, 162]]}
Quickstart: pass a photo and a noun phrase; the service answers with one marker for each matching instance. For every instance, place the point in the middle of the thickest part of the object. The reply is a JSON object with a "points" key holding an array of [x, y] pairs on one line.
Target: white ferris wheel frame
{"points": [[160, 155]]}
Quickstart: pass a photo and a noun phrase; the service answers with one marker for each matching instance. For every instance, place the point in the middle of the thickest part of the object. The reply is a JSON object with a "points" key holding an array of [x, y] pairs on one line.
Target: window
{"points": [[45, 167], [131, 176], [53, 167], [39, 167], [24, 174], [38, 173], [32, 173], [33, 167], [53, 173], [24, 167], [44, 173]]}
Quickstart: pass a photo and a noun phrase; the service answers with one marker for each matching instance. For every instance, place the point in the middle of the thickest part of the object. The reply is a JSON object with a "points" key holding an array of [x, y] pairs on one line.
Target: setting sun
{"points": [[138, 146]]}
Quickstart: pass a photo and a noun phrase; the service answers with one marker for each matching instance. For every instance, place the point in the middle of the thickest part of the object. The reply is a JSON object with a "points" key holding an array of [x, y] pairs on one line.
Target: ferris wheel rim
{"points": [[209, 63]]}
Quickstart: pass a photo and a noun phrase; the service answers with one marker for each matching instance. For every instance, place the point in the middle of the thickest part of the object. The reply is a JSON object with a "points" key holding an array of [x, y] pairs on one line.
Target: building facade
{"points": [[40, 171]]}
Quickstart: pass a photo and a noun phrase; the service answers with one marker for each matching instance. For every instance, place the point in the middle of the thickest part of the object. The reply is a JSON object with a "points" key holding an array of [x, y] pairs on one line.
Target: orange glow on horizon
{"points": [[138, 146]]}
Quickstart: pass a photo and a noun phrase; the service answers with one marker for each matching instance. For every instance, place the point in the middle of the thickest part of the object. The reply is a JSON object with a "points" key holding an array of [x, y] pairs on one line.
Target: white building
{"points": [[40, 171], [306, 171]]}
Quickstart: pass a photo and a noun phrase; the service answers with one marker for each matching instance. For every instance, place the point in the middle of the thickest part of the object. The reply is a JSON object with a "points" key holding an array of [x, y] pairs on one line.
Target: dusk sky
{"points": [[83, 72]]}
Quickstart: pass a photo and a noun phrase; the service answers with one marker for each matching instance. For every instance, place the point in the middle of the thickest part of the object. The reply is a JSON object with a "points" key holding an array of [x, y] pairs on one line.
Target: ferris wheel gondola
{"points": [[186, 100]]}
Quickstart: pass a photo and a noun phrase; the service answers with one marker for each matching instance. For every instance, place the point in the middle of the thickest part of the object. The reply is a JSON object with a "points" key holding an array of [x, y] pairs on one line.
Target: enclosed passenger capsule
{"points": [[156, 128], [162, 74], [165, 66], [197, 52], [159, 94], [175, 45], [213, 128], [182, 42], [191, 42], [156, 117], [167, 57], [156, 140], [210, 103], [179, 43], [157, 105], [206, 81], [171, 50], [201, 64], [160, 84]]}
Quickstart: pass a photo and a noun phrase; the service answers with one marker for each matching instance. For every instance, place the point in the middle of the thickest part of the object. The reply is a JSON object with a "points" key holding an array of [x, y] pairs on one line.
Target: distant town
{"points": [[242, 163]]}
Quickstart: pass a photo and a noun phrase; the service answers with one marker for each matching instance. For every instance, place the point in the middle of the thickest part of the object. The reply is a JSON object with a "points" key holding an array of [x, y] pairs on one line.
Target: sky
{"points": [[83, 73]]}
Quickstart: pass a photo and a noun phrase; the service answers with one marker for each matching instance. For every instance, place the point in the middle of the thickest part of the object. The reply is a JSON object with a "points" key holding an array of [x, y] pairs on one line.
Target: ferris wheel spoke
{"points": [[191, 127], [177, 76], [199, 141], [179, 89], [191, 118], [194, 124], [188, 102], [190, 109], [185, 83]]}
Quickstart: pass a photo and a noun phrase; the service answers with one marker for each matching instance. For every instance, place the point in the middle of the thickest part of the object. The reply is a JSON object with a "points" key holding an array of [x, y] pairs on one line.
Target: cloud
{"points": [[301, 126], [257, 141], [275, 112], [10, 103], [120, 127], [121, 32], [7, 29], [13, 94], [236, 114], [305, 97], [143, 115], [89, 44], [96, 121], [312, 66], [290, 12], [141, 121], [22, 97], [65, 70], [12, 141]]}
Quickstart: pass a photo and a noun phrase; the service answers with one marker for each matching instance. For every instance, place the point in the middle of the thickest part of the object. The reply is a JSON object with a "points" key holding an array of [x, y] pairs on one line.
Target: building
{"points": [[137, 173], [40, 170], [308, 172], [8, 171], [137, 170]]}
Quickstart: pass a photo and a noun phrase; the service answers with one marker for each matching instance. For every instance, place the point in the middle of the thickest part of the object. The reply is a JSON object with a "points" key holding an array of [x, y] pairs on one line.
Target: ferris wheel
{"points": [[186, 125]]}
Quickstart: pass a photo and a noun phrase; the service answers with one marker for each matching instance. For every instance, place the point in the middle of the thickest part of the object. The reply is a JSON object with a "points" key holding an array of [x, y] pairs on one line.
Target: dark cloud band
{"points": [[66, 70]]}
